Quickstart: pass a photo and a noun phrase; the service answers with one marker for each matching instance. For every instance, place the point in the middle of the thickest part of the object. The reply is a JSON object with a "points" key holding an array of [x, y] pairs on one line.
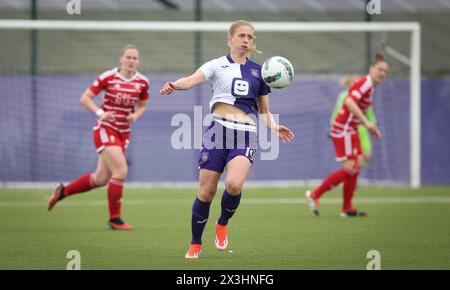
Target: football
{"points": [[277, 72]]}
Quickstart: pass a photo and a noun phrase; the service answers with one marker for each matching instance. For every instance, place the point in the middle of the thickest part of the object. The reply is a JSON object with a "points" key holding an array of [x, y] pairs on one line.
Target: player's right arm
{"points": [[353, 107], [184, 83], [87, 101]]}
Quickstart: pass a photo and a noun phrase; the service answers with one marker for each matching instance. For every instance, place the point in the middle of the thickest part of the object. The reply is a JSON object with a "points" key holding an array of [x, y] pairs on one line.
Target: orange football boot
{"points": [[194, 251], [221, 237]]}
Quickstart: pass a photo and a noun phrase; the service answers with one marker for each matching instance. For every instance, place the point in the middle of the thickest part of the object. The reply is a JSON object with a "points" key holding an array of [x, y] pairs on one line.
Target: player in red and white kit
{"points": [[125, 101], [344, 133]]}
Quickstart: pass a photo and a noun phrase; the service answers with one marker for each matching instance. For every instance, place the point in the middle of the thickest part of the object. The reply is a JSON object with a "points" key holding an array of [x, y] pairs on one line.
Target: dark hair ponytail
{"points": [[378, 58]]}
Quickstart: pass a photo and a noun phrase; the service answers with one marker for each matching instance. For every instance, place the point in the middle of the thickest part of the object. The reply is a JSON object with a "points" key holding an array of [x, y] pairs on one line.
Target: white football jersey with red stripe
{"points": [[121, 96], [361, 93]]}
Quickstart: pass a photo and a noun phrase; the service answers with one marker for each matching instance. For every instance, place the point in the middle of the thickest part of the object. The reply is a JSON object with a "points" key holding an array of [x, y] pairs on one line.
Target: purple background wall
{"points": [[51, 139]]}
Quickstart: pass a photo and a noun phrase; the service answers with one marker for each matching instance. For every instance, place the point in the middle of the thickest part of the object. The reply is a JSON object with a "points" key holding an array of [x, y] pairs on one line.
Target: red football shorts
{"points": [[347, 146], [104, 136]]}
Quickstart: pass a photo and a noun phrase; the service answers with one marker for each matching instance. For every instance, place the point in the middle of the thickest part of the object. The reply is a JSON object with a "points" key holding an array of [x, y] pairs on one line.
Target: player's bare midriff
{"points": [[232, 113]]}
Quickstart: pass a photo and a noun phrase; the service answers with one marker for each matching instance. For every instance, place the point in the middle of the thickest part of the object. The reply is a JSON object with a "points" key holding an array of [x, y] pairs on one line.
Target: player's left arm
{"points": [[284, 133], [141, 106]]}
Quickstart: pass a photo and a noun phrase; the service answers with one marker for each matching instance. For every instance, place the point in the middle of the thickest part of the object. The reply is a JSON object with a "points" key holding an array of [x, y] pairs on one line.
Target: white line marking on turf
{"points": [[127, 202]]}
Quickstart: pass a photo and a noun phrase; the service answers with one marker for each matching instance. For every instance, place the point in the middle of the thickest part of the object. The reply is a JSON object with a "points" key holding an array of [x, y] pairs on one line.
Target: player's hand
{"points": [[284, 133], [373, 129], [131, 118], [167, 89], [107, 116]]}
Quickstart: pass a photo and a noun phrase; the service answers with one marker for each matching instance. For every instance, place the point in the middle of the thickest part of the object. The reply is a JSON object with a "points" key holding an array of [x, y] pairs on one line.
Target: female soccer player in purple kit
{"points": [[239, 97]]}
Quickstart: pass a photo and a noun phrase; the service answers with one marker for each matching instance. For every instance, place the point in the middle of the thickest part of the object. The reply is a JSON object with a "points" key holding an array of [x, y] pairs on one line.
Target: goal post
{"points": [[412, 28]]}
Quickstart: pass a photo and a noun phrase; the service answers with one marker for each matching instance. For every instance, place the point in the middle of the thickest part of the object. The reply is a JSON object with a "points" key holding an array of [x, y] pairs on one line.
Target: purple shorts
{"points": [[224, 140]]}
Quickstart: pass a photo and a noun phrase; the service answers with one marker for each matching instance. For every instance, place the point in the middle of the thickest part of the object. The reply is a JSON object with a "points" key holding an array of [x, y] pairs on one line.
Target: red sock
{"points": [[82, 184], [349, 189], [331, 181], [115, 189]]}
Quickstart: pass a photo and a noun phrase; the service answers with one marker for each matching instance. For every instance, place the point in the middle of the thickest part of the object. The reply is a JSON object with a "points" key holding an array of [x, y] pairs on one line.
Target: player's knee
{"points": [[350, 171], [234, 187], [100, 180], [207, 189], [121, 172], [206, 194], [351, 168]]}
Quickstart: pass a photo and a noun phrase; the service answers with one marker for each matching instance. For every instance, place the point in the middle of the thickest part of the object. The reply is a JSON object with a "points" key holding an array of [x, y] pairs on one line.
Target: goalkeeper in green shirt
{"points": [[364, 135]]}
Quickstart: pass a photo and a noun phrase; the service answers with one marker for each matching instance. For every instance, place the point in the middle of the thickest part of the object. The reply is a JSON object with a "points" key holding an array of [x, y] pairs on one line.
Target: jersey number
{"points": [[250, 153]]}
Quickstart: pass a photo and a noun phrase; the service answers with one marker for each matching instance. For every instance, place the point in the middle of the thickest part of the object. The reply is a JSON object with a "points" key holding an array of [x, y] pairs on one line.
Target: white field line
{"points": [[194, 184], [250, 201]]}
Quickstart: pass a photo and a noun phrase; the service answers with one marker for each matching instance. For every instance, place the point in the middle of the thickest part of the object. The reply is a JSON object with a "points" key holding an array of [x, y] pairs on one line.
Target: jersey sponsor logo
{"points": [[240, 87], [124, 98], [225, 66]]}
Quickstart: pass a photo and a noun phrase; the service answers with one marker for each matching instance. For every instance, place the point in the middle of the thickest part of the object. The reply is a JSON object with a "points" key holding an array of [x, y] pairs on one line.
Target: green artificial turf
{"points": [[272, 229]]}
